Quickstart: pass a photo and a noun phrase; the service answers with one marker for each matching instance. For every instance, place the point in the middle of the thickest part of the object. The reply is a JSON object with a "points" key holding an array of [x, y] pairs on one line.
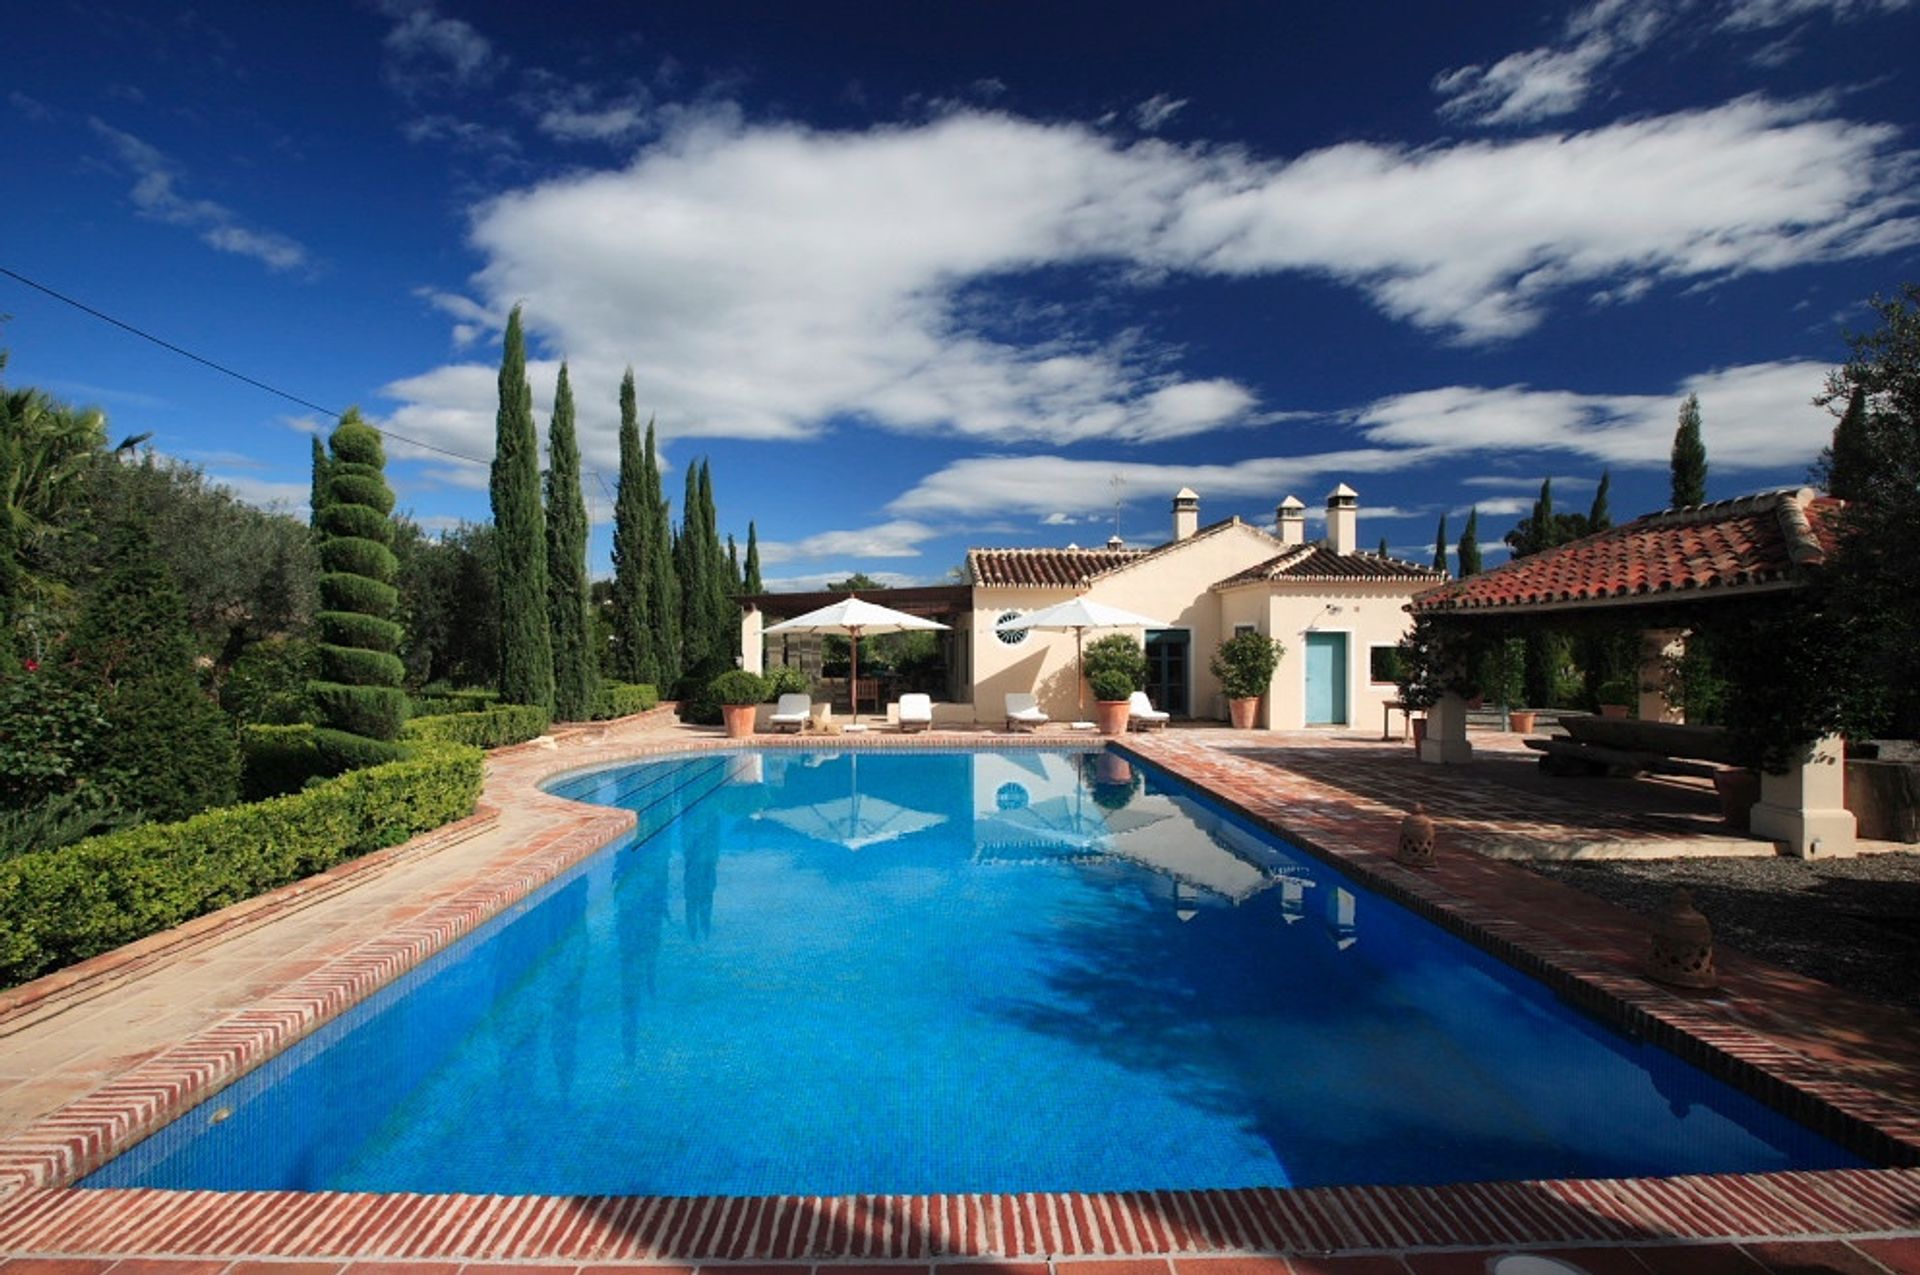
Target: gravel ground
{"points": [[1854, 923]]}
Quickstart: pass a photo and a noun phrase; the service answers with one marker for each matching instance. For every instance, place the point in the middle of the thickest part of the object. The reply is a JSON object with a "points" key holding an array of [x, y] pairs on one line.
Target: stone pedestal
{"points": [[753, 657], [1806, 807], [1446, 741], [1657, 646]]}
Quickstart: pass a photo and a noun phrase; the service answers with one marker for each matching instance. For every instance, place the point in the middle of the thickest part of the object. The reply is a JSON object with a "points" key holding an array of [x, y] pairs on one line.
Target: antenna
{"points": [[1118, 484]]}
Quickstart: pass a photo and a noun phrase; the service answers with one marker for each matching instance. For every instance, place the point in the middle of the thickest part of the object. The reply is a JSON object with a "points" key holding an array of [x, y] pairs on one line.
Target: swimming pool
{"points": [[882, 972]]}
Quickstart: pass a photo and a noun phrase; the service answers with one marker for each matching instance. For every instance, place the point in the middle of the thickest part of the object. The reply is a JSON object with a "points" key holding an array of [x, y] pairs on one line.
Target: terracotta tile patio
{"points": [[92, 1058]]}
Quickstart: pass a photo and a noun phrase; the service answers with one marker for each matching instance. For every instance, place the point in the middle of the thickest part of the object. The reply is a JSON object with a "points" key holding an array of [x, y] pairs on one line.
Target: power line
{"points": [[224, 369]]}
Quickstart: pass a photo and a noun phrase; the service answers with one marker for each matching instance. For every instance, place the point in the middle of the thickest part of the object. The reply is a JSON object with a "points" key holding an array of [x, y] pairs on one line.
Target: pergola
{"points": [[1666, 573], [948, 603]]}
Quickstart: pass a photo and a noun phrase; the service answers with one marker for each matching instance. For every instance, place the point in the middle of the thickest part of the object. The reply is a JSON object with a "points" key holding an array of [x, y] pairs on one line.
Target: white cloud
{"points": [[1549, 81], [990, 486], [426, 52], [1557, 79], [821, 580], [34, 109], [766, 280], [283, 498], [156, 193], [1152, 114], [1761, 15], [898, 539], [1757, 416], [465, 135]]}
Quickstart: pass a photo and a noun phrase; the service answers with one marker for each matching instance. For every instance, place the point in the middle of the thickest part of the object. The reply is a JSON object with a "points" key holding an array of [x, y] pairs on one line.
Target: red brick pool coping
{"points": [[1877, 1208]]}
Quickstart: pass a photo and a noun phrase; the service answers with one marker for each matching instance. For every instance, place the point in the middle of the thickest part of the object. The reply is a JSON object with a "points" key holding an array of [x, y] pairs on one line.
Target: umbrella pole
{"points": [[1079, 683], [853, 670]]}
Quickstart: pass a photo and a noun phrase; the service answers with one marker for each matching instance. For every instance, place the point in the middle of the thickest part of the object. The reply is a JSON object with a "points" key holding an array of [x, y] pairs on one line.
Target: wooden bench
{"points": [[1624, 747]]}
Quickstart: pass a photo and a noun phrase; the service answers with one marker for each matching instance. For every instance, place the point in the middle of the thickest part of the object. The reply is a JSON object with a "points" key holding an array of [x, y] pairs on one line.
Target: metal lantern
{"points": [[1416, 839], [1681, 951]]}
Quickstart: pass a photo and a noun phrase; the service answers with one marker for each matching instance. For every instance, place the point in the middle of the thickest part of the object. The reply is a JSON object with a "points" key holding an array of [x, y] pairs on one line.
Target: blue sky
{"points": [[920, 277]]}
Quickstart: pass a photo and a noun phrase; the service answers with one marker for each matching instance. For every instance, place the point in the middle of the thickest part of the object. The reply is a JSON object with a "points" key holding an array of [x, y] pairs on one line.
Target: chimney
{"points": [[1186, 513], [1343, 519], [1291, 517], [1115, 542]]}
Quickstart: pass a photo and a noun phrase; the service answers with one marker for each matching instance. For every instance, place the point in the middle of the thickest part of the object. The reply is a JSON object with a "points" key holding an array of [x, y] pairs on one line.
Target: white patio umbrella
{"points": [[851, 618], [1080, 614]]}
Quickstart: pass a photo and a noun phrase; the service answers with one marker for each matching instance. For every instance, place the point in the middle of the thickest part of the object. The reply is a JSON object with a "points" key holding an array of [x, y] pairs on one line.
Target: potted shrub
{"points": [[1244, 663], [1113, 689], [1616, 697], [1116, 667], [738, 692]]}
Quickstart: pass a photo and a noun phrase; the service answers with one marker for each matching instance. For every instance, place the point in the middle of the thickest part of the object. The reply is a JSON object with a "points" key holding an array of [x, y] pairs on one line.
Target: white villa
{"points": [[1336, 608]]}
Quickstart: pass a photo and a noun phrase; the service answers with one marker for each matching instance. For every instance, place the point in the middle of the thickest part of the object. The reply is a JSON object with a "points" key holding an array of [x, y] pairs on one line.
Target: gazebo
{"points": [[1668, 572]]}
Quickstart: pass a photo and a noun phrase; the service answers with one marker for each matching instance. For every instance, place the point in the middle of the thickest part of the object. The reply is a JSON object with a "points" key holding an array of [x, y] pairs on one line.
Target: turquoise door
{"points": [[1326, 679]]}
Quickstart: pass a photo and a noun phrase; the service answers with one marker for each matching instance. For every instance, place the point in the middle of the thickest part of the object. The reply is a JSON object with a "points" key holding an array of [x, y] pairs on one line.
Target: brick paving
{"points": [[91, 1059]]}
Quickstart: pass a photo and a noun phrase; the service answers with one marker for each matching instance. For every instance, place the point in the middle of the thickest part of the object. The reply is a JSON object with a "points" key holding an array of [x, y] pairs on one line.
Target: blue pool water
{"points": [[818, 973]]}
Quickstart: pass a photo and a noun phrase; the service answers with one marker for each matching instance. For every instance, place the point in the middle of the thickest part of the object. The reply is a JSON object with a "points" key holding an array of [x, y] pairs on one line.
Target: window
{"points": [[1385, 664], [1238, 629], [1012, 637]]}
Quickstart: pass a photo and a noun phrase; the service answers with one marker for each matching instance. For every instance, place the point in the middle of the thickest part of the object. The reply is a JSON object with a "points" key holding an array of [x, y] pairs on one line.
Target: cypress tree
{"points": [[1689, 457], [168, 751], [635, 657], [317, 498], [358, 690], [733, 565], [663, 586], [526, 646], [690, 563], [1383, 547], [1440, 545], [752, 583], [576, 674], [1600, 517], [1848, 463], [723, 626], [1469, 547]]}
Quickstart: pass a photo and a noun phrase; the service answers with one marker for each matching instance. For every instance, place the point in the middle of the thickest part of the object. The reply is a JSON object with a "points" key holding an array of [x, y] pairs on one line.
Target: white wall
{"points": [[1369, 614]]}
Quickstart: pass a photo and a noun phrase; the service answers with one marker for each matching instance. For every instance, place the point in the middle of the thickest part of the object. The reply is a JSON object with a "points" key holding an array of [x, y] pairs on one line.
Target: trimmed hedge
{"points": [[356, 666], [432, 702], [623, 699], [363, 521], [284, 759], [343, 591], [61, 906], [373, 711], [350, 628], [489, 728], [363, 489], [355, 556]]}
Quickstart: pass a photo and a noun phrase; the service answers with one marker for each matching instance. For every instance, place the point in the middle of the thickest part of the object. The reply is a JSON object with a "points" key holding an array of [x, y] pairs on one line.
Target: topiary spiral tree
{"points": [[359, 686]]}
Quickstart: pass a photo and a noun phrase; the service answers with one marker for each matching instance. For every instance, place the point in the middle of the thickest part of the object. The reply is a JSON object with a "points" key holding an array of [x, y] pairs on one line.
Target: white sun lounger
{"points": [[916, 712], [1141, 713], [1023, 711], [791, 712]]}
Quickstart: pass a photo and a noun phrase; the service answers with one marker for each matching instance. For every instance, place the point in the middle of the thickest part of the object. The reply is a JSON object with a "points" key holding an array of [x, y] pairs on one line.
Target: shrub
{"points": [[343, 591], [494, 727], [1110, 684], [268, 683], [1119, 654], [784, 679], [350, 628], [1616, 691], [429, 701], [738, 686], [1245, 662], [49, 738], [283, 759], [623, 699], [373, 711], [64, 905]]}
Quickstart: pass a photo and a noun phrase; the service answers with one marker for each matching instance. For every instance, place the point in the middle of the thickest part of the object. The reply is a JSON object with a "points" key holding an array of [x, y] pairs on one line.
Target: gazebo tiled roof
{"points": [[1318, 563], [1072, 568], [1726, 549]]}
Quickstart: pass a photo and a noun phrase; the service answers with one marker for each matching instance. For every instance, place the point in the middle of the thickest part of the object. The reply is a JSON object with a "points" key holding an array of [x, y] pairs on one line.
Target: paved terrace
{"points": [[93, 1057]]}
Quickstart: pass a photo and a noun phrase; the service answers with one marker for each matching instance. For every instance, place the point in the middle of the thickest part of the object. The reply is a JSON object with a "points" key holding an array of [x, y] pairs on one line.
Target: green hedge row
{"points": [[624, 699], [283, 759], [489, 728], [61, 906]]}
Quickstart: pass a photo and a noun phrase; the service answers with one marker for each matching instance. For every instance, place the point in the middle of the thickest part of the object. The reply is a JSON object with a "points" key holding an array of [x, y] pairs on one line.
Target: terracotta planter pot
{"points": [[1419, 732], [1614, 710], [1738, 790], [1520, 721], [1115, 769], [739, 719], [1111, 715], [1244, 711]]}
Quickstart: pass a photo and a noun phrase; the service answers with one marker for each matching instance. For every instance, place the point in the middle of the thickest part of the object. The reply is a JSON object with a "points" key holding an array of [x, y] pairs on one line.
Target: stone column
{"points": [[1806, 807], [1446, 741], [753, 655], [1657, 646]]}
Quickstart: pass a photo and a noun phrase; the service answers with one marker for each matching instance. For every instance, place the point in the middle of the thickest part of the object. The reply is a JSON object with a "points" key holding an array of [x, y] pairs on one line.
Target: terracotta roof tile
{"points": [[1072, 568], [1317, 562], [1726, 546]]}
